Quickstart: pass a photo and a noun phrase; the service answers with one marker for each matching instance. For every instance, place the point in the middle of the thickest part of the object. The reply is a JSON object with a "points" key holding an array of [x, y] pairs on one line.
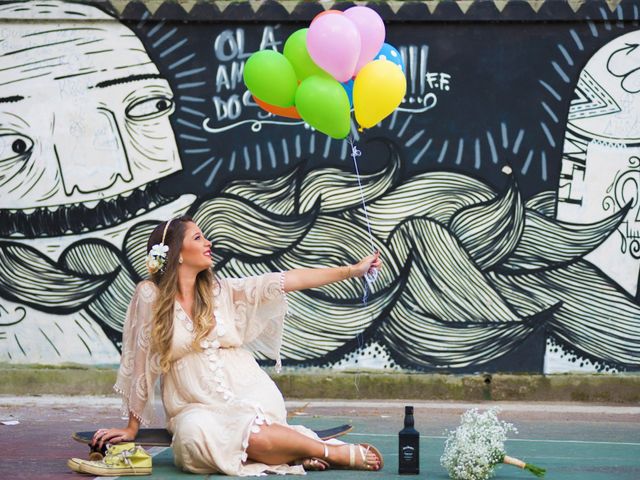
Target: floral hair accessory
{"points": [[157, 257]]}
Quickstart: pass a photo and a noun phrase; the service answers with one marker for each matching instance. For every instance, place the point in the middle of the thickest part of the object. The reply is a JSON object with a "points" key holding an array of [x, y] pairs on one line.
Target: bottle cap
{"points": [[408, 410]]}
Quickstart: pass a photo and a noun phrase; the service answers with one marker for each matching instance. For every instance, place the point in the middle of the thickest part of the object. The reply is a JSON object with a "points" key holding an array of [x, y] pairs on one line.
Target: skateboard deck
{"points": [[160, 437]]}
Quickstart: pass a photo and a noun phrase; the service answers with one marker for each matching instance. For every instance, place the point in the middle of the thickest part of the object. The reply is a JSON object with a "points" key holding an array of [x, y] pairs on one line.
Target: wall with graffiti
{"points": [[502, 194]]}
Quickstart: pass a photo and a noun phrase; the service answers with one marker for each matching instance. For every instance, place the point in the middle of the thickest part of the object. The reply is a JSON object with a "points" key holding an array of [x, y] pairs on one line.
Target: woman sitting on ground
{"points": [[194, 330]]}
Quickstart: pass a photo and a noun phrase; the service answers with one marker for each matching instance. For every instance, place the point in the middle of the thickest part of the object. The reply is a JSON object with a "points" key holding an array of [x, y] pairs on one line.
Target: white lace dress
{"points": [[215, 398]]}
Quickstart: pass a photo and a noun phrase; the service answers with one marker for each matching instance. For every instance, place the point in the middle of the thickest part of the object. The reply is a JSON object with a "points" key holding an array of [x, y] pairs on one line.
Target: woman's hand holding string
{"points": [[367, 264]]}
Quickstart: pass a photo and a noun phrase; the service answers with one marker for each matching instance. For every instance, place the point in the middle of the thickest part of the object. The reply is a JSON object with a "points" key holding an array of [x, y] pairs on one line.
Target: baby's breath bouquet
{"points": [[473, 449]]}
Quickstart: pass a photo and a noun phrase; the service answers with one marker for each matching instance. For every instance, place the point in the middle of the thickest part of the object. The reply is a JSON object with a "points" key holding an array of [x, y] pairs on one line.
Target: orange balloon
{"points": [[326, 12], [289, 112]]}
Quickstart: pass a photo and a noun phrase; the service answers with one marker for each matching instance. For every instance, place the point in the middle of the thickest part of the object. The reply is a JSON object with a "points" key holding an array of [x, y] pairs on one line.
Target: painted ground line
{"points": [[533, 440], [153, 451], [555, 407]]}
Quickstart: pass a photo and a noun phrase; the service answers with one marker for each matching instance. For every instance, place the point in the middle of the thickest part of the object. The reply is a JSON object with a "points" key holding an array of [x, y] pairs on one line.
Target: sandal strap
{"points": [[363, 454]]}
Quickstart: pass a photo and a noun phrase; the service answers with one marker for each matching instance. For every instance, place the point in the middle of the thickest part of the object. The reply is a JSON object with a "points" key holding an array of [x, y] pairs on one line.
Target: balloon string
{"points": [[371, 275], [355, 153]]}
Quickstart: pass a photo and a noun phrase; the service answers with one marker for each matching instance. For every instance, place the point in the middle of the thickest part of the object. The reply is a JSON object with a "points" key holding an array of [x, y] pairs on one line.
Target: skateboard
{"points": [[160, 437]]}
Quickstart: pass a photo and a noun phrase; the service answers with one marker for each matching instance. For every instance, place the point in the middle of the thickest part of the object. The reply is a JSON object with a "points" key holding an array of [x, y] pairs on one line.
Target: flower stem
{"points": [[537, 471]]}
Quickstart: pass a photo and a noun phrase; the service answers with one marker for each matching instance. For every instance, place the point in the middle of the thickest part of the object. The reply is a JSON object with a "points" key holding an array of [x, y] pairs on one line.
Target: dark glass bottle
{"points": [[408, 445]]}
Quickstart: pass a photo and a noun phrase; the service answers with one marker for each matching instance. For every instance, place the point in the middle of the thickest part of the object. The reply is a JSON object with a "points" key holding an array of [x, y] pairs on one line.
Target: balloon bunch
{"points": [[339, 62]]}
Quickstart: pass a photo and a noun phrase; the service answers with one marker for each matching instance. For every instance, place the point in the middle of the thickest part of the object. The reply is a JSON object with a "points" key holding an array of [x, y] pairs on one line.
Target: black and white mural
{"points": [[502, 194]]}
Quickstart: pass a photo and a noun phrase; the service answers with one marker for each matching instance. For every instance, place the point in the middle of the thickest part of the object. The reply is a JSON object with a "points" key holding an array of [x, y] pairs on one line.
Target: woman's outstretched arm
{"points": [[303, 278]]}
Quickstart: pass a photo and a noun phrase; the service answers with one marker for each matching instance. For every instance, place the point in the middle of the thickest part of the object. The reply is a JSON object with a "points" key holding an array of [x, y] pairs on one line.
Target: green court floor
{"points": [[583, 450]]}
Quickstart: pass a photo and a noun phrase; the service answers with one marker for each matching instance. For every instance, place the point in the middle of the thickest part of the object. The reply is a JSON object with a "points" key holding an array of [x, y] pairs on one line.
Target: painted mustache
{"points": [[480, 268]]}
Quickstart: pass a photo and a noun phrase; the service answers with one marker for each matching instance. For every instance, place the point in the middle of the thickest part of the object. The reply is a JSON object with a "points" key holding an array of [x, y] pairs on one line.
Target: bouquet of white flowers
{"points": [[473, 449]]}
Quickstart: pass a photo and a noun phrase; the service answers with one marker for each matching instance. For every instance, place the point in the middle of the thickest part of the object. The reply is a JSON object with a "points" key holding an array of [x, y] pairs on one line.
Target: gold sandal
{"points": [[313, 464], [363, 448]]}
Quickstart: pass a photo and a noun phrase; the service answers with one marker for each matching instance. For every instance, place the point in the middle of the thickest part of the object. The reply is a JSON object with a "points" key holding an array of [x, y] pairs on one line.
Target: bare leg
{"points": [[278, 444]]}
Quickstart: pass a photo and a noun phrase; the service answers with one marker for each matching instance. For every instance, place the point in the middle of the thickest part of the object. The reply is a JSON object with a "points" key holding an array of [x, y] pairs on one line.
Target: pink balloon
{"points": [[334, 43], [372, 33]]}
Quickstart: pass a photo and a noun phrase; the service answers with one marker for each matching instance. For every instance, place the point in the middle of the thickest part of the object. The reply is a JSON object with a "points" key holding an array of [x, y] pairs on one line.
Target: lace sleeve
{"points": [[259, 308], [139, 368]]}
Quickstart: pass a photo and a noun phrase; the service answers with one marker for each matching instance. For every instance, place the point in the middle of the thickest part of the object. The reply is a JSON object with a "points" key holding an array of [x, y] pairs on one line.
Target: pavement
{"points": [[577, 441]]}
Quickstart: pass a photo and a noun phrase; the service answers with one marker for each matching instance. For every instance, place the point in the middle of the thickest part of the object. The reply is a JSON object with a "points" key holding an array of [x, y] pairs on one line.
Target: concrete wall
{"points": [[503, 193]]}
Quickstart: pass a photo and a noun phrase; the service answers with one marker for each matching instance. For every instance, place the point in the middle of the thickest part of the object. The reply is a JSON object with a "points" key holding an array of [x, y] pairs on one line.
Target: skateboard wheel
{"points": [[95, 456]]}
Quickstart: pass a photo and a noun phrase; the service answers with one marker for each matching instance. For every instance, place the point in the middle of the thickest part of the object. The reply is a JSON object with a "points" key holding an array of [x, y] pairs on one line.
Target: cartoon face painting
{"points": [[84, 122], [85, 137], [600, 172]]}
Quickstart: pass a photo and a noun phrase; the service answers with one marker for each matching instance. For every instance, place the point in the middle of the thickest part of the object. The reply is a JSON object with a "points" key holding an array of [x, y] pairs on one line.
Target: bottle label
{"points": [[408, 453]]}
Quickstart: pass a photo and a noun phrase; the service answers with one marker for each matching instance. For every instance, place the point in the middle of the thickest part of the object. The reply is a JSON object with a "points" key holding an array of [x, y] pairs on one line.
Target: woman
{"points": [[224, 411]]}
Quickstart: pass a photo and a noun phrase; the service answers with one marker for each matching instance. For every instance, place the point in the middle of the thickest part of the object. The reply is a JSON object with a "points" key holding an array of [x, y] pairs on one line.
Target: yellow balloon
{"points": [[377, 91]]}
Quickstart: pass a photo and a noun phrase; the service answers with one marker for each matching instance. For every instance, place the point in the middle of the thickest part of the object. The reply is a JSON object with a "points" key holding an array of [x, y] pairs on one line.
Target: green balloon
{"points": [[295, 49], [269, 76], [324, 104]]}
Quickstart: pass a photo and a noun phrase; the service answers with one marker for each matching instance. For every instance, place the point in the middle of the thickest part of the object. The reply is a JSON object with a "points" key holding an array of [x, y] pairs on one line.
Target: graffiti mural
{"points": [[503, 193]]}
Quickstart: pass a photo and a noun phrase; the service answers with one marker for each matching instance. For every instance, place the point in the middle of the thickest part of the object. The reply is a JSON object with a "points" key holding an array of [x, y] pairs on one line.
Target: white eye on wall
{"points": [[150, 108], [13, 145]]}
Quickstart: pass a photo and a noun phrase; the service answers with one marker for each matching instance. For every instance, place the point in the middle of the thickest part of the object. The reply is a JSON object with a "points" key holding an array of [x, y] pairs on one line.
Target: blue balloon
{"points": [[348, 87], [388, 52]]}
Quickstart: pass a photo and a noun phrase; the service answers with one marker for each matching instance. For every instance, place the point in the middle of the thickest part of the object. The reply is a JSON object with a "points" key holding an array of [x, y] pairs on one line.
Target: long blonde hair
{"points": [[167, 282]]}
